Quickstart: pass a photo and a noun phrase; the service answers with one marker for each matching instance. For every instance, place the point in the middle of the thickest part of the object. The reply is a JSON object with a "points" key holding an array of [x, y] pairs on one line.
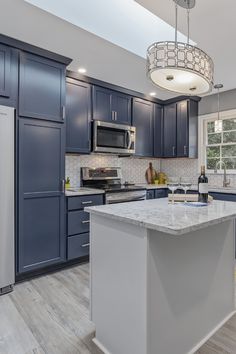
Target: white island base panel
{"points": [[156, 293]]}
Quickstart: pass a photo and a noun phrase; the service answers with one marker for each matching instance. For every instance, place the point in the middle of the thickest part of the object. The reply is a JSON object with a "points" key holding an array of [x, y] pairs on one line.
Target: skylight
{"points": [[124, 23]]}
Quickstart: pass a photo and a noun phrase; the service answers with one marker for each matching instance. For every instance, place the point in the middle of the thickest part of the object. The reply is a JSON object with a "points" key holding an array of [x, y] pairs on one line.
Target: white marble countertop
{"points": [[216, 189], [73, 192], [175, 219]]}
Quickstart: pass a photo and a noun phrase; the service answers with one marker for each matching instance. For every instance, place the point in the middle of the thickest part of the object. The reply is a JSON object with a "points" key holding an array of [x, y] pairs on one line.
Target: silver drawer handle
{"points": [[88, 202], [85, 245], [85, 221]]}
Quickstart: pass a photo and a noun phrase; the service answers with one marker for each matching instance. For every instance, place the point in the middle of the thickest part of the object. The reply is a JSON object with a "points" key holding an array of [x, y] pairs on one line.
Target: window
{"points": [[219, 143]]}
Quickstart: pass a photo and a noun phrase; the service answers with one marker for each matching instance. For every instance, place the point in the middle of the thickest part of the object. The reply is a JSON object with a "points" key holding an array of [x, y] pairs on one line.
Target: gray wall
{"points": [[208, 104]]}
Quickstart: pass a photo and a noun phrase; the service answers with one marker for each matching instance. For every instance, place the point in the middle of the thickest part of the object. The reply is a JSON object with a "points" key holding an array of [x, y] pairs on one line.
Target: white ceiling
{"points": [[212, 27], [122, 22]]}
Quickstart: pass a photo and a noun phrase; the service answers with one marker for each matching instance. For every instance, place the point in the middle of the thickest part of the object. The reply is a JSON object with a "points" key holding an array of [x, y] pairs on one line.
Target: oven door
{"points": [[113, 138], [124, 197]]}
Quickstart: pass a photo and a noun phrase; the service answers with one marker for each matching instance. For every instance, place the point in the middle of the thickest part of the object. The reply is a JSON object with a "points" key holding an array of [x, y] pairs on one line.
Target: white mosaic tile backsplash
{"points": [[133, 169], [189, 168]]}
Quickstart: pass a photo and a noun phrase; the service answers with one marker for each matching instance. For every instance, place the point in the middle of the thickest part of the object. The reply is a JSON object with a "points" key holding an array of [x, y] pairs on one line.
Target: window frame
{"points": [[202, 137]]}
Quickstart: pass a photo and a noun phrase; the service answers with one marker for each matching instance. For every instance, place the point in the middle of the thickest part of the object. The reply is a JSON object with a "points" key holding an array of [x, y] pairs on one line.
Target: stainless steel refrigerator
{"points": [[7, 199]]}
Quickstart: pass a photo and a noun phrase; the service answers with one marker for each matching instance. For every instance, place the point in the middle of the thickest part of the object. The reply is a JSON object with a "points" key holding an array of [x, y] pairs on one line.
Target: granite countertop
{"points": [[175, 219], [216, 189], [73, 192]]}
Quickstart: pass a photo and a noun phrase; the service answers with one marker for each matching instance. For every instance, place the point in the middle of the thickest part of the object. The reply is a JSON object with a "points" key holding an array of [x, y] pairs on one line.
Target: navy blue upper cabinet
{"points": [[41, 88], [41, 239], [78, 116], [158, 130], [121, 108], [111, 105], [143, 121], [8, 76], [5, 70], [187, 129], [102, 103], [182, 128], [169, 130]]}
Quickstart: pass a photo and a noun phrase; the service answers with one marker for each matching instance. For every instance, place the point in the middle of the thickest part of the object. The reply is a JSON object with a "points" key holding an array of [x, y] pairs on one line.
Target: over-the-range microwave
{"points": [[113, 138]]}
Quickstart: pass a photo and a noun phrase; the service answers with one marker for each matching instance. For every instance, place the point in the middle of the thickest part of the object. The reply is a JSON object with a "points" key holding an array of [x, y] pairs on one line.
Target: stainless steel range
{"points": [[109, 179]]}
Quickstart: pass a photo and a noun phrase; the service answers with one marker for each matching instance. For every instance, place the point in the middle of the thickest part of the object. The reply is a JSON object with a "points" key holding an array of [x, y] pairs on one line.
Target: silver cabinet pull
{"points": [[63, 186], [185, 150], [88, 202], [113, 115], [85, 245], [173, 150], [85, 221], [63, 108]]}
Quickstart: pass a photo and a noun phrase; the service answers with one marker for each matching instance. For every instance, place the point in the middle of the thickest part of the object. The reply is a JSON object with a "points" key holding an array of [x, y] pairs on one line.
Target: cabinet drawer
{"points": [[78, 222], [77, 246], [161, 193], [75, 203], [150, 194]]}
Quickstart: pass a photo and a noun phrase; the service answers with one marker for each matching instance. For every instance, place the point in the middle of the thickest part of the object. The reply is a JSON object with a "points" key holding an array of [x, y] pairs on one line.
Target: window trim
{"points": [[201, 135]]}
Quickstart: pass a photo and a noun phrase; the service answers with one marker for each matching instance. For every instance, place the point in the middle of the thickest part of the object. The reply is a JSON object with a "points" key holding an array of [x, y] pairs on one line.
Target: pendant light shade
{"points": [[180, 67], [218, 122]]}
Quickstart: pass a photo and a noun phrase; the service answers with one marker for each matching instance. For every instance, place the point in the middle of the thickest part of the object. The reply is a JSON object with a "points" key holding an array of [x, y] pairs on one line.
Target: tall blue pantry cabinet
{"points": [[32, 80]]}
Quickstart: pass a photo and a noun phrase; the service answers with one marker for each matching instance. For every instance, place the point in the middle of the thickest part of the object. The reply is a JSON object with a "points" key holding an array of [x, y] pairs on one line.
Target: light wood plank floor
{"points": [[50, 315]]}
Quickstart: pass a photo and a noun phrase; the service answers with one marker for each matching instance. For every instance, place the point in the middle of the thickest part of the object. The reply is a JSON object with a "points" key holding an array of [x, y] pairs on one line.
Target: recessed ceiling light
{"points": [[152, 93], [82, 70]]}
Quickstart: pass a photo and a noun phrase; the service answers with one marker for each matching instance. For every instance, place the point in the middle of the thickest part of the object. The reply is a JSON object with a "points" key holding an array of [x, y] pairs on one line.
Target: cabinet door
{"points": [[102, 104], [150, 194], [182, 129], [78, 116], [8, 76], [41, 197], [121, 108], [169, 131], [5, 70], [158, 131], [41, 88], [143, 121], [161, 193]]}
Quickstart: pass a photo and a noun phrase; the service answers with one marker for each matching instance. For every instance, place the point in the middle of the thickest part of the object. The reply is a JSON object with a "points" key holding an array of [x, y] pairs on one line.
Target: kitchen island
{"points": [[162, 275]]}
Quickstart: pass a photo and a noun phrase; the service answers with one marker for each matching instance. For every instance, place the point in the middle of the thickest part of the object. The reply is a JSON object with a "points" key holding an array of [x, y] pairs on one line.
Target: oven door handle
{"points": [[128, 140]]}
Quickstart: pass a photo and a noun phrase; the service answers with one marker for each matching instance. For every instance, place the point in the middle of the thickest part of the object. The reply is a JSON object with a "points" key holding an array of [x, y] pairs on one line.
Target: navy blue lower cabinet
{"points": [[41, 213], [78, 246], [78, 222], [161, 193], [150, 194]]}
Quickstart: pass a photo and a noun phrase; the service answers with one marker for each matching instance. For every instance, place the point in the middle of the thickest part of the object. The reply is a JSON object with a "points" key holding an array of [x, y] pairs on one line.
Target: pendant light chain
{"points": [[218, 103], [176, 23], [188, 14]]}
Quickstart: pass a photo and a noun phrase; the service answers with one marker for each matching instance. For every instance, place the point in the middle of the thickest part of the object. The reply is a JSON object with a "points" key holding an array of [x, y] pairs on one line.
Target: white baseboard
{"points": [[100, 346], [209, 335]]}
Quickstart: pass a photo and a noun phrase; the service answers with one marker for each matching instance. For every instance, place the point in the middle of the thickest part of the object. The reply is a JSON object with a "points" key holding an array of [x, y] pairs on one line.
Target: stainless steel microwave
{"points": [[113, 138]]}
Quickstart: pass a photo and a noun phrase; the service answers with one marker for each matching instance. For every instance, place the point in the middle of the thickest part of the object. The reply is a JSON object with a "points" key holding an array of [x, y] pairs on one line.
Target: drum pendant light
{"points": [[180, 67]]}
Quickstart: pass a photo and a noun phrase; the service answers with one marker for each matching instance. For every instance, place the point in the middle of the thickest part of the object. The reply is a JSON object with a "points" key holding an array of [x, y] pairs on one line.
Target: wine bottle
{"points": [[203, 186]]}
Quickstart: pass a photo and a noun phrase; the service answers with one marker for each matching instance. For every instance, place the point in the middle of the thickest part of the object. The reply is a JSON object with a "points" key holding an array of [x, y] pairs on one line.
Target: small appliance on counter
{"points": [[109, 179], [113, 138]]}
